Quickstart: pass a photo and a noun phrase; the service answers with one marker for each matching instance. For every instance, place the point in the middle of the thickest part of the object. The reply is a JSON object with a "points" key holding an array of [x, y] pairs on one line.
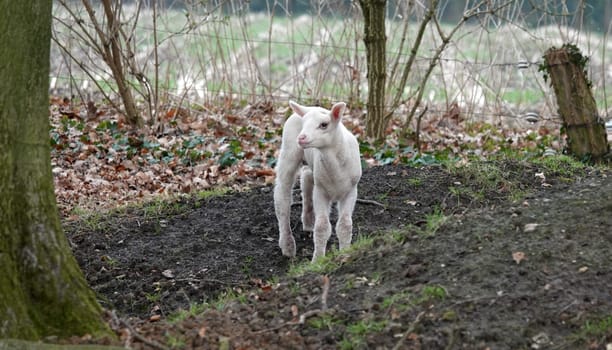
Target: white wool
{"points": [[316, 137]]}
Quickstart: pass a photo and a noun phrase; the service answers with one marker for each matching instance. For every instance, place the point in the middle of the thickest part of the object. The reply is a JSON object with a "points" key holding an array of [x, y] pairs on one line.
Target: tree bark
{"points": [[375, 41], [42, 290], [586, 133]]}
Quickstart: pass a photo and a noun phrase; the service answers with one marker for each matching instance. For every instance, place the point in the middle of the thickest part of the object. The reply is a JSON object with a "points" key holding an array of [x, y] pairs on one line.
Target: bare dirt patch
{"points": [[495, 273]]}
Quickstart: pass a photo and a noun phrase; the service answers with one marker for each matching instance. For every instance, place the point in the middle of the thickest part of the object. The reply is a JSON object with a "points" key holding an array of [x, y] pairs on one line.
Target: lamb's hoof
{"points": [[288, 247], [290, 253], [315, 258]]}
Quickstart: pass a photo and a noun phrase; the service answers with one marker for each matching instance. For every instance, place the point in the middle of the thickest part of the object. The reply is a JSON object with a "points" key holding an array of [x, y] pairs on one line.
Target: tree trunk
{"points": [[109, 48], [42, 290], [586, 133], [375, 41], [114, 59]]}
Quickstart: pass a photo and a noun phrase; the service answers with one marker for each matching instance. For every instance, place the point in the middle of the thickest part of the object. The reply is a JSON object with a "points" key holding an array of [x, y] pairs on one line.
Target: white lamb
{"points": [[315, 140]]}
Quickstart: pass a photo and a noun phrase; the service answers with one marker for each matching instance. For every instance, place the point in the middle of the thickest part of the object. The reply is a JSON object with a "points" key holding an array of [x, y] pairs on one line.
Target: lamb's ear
{"points": [[337, 111], [298, 109]]}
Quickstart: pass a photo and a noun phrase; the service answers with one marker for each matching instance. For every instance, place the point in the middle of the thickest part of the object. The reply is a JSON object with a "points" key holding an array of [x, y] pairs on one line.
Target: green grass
{"points": [[160, 207], [597, 328], [404, 300], [483, 177], [434, 292], [416, 182], [194, 309], [332, 259], [91, 220], [459, 191], [365, 327], [592, 330], [214, 192], [395, 236], [247, 263], [323, 265], [156, 209], [218, 303], [434, 221], [294, 288], [565, 166], [357, 332], [226, 297], [324, 322], [153, 297], [486, 177], [175, 342], [400, 301]]}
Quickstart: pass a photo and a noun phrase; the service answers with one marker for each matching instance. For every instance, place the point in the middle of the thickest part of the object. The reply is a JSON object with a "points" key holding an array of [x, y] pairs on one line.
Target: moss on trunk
{"points": [[12, 344], [586, 133], [42, 290]]}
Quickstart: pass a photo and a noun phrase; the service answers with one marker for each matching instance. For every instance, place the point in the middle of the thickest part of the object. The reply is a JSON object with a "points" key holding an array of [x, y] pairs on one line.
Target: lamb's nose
{"points": [[302, 140]]}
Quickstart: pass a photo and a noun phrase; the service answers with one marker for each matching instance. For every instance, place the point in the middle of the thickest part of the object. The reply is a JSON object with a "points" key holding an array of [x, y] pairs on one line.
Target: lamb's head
{"points": [[319, 125]]}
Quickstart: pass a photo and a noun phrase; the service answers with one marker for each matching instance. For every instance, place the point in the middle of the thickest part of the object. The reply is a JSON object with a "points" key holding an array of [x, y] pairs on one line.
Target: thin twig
{"points": [[301, 320], [325, 292], [411, 59], [418, 128], [142, 338], [211, 280], [409, 331], [370, 201], [451, 339], [116, 323], [307, 314]]}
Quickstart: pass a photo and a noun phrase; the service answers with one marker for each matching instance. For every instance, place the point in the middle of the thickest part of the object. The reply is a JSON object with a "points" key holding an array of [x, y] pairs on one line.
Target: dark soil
{"points": [[456, 285]]}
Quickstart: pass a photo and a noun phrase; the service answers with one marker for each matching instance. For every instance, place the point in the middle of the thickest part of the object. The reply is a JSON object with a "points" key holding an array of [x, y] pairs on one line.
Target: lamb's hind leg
{"points": [[285, 178], [344, 226], [307, 184]]}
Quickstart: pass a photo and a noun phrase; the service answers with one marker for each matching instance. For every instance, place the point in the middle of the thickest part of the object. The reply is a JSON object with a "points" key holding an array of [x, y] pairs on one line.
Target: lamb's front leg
{"points": [[285, 177], [282, 206], [322, 227], [344, 226]]}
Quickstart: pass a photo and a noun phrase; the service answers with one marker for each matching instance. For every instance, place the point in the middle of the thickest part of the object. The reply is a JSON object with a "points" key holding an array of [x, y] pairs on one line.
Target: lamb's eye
{"points": [[323, 126]]}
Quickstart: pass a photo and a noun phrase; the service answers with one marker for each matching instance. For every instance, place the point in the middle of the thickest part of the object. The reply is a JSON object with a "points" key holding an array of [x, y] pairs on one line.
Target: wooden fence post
{"points": [[585, 130]]}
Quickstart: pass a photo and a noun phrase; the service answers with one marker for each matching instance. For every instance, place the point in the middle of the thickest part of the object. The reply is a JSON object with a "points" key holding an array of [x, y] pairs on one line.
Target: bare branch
{"points": [[413, 52]]}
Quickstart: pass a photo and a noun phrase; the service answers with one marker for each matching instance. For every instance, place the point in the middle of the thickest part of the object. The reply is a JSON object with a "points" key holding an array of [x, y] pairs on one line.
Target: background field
{"points": [[208, 56]]}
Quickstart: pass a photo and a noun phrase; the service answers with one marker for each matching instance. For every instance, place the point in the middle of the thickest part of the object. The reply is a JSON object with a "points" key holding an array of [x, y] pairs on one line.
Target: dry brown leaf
{"points": [[413, 337], [202, 332], [125, 334], [395, 314], [518, 257], [294, 310], [111, 173]]}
